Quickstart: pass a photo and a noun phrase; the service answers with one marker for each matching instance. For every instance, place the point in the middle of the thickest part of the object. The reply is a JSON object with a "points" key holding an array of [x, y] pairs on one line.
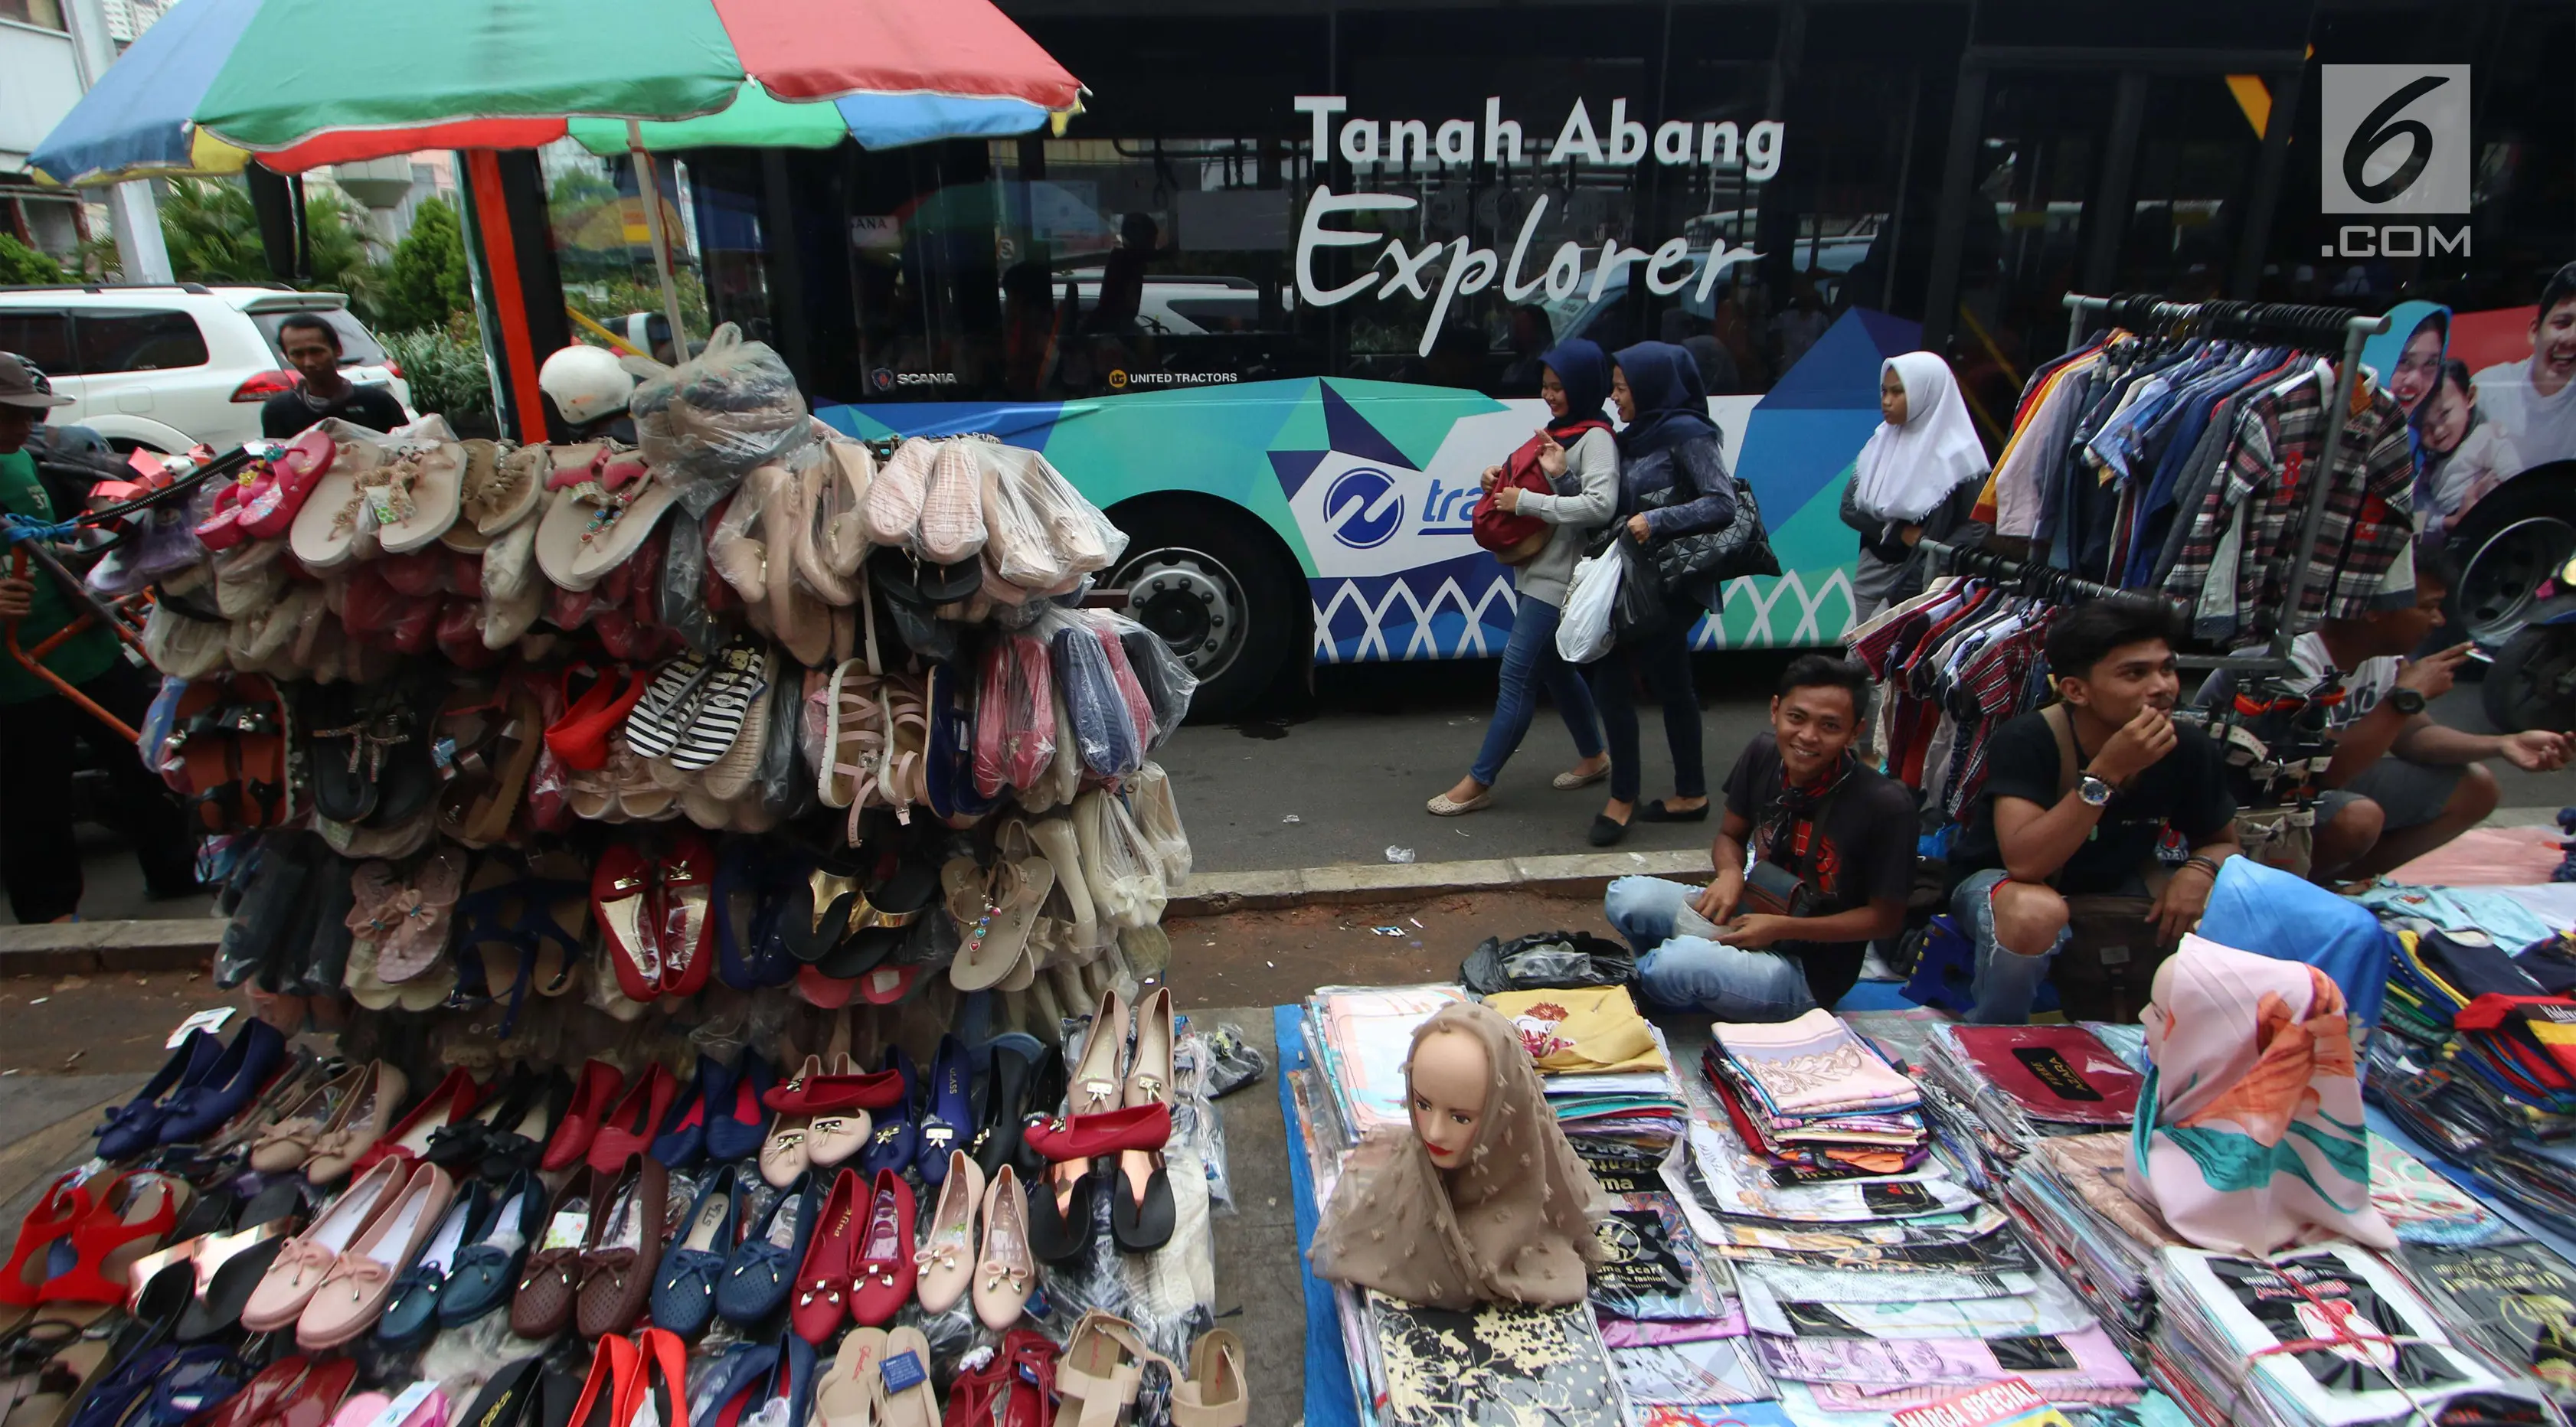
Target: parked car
{"points": [[167, 365]]}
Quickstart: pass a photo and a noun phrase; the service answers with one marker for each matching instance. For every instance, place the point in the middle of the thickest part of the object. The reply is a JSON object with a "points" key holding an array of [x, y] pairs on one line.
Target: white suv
{"points": [[168, 365]]}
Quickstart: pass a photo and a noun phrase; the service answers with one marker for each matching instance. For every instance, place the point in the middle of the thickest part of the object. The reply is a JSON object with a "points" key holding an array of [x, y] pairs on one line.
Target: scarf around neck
{"points": [[1672, 402], [1904, 471]]}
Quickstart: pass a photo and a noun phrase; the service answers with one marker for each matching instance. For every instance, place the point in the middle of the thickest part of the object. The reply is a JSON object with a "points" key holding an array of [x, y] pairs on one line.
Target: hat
{"points": [[22, 385]]}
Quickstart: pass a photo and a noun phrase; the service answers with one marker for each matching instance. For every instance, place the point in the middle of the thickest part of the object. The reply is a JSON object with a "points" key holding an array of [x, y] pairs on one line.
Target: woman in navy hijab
{"points": [[1580, 459], [1673, 481]]}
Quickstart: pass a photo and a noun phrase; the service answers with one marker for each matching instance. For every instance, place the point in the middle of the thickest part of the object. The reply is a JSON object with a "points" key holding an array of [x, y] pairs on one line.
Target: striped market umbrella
{"points": [[302, 83]]}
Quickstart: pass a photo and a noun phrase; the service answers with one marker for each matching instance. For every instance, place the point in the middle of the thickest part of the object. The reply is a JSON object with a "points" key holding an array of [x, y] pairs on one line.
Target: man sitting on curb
{"points": [[1810, 812], [2043, 830], [2400, 784]]}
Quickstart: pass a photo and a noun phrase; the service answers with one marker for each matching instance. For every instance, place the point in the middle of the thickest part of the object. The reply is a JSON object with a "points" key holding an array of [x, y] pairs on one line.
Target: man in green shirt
{"points": [[39, 859]]}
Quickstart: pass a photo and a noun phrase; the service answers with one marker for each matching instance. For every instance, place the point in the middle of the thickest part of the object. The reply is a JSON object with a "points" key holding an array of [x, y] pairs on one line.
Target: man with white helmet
{"points": [[589, 388]]}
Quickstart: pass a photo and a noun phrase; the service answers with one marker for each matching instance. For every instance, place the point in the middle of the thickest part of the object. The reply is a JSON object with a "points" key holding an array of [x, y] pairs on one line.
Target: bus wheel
{"points": [[1218, 590]]}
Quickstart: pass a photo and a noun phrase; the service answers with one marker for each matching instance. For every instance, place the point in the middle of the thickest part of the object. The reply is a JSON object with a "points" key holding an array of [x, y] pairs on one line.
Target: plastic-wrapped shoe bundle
{"points": [[1015, 728], [706, 422], [1103, 729]]}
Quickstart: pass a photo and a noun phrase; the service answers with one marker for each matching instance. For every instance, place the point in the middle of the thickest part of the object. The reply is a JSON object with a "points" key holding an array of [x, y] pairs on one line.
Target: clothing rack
{"points": [[2035, 578], [2318, 329]]}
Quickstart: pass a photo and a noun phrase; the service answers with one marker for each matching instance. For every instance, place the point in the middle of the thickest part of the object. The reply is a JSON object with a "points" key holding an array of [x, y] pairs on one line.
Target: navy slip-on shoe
{"points": [[736, 1123], [486, 1270], [135, 1126], [897, 1137], [765, 1263], [411, 1310], [197, 1110], [683, 1135], [948, 1111], [684, 1291]]}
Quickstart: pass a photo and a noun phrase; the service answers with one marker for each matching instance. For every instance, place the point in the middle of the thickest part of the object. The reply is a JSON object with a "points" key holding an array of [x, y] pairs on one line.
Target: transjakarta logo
{"points": [[1439, 273], [2396, 144], [1363, 508]]}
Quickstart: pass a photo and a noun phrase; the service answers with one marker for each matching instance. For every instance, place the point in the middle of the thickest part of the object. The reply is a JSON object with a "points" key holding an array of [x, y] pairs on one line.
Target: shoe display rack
{"points": [[698, 902]]}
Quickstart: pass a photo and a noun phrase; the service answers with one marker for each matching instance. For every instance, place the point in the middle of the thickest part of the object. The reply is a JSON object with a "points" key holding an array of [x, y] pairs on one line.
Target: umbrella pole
{"points": [[651, 186]]}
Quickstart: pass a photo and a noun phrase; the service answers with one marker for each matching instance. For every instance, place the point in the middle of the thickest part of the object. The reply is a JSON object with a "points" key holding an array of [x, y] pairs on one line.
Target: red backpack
{"points": [[1517, 539]]}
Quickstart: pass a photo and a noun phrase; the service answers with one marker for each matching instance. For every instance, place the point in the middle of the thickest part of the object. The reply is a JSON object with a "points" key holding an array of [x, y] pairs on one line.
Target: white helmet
{"points": [[586, 383]]}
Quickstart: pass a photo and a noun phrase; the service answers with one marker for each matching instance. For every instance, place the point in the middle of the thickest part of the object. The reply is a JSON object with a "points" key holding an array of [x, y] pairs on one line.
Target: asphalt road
{"points": [[1342, 776]]}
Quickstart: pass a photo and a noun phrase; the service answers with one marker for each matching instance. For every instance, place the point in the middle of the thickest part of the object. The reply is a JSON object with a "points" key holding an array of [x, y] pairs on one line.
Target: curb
{"points": [[1212, 894], [87, 948]]}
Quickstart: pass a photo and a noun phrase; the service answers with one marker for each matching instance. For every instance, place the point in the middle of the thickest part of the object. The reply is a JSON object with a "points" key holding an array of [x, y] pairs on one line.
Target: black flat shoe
{"points": [[996, 1141], [1606, 830], [1141, 1217], [1656, 812]]}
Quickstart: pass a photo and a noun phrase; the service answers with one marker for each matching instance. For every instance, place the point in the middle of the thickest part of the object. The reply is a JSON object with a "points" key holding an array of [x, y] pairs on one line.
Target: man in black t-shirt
{"points": [[2144, 791], [1799, 800], [312, 347]]}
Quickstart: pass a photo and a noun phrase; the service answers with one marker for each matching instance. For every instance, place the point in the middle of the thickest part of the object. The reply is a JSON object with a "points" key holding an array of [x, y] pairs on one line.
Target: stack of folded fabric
{"points": [[2510, 1297], [2330, 1335], [2070, 1192], [1358, 1037], [1818, 1102], [2483, 1065], [2026, 1084], [1606, 1070]]}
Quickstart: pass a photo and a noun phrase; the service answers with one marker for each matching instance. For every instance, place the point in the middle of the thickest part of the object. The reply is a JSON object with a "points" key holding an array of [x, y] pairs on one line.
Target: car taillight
{"points": [[394, 367], [265, 385]]}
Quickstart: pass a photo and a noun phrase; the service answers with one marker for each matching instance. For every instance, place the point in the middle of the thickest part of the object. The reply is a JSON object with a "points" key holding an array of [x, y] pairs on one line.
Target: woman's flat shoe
{"points": [[1656, 812], [1607, 830], [1569, 780], [1214, 1394], [1442, 805], [1057, 1211], [1003, 1271]]}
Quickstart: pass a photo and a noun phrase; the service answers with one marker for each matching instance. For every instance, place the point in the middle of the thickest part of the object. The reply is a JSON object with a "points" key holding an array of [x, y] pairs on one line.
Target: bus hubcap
{"points": [[1193, 602]]}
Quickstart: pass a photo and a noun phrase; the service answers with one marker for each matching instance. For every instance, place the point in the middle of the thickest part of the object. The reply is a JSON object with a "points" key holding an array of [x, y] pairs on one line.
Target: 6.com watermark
{"points": [[2396, 146], [1120, 379]]}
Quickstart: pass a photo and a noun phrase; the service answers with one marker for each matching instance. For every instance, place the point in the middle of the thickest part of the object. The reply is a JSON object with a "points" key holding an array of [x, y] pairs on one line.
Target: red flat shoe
{"points": [[1061, 1139], [608, 1394], [447, 1105], [661, 1377], [61, 1209], [845, 1087], [881, 1279], [599, 1088], [629, 1129], [822, 1301], [259, 1397], [620, 901], [683, 900], [316, 1400]]}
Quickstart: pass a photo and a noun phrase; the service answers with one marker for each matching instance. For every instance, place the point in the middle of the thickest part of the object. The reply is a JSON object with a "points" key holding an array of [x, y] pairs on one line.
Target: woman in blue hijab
{"points": [[1580, 459], [1673, 481]]}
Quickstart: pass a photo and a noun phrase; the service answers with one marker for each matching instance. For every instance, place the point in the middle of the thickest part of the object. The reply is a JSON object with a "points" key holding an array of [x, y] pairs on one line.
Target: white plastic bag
{"points": [[1127, 881], [1584, 634], [1158, 816]]}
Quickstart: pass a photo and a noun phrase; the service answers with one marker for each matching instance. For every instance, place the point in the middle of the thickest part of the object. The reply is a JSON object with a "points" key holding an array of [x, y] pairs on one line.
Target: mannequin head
{"points": [[1451, 1078]]}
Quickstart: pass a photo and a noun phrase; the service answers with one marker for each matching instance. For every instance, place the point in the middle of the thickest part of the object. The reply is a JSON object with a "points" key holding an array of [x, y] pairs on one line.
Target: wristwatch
{"points": [[2093, 791], [2409, 702]]}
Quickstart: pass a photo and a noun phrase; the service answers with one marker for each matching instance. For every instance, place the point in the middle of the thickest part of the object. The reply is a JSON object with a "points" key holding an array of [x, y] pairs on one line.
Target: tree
{"points": [[213, 236], [426, 283], [22, 264]]}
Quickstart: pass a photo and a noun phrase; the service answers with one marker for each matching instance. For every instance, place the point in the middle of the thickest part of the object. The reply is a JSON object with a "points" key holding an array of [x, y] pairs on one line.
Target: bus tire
{"points": [[2533, 683], [2506, 547], [1219, 588]]}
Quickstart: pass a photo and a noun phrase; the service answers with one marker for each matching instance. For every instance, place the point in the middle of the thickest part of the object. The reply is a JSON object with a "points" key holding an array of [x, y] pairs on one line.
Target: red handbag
{"points": [[1514, 539]]}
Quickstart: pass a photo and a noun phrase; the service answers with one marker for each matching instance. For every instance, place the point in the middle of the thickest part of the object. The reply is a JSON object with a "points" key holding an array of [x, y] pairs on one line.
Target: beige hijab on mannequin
{"points": [[1512, 1224]]}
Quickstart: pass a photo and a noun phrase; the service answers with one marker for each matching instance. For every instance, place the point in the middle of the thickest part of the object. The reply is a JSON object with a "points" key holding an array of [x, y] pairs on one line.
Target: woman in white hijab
{"points": [[1922, 458]]}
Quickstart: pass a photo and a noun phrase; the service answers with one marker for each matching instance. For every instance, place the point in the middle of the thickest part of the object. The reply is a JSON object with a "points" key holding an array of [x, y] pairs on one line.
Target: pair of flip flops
{"points": [[371, 751], [696, 707]]}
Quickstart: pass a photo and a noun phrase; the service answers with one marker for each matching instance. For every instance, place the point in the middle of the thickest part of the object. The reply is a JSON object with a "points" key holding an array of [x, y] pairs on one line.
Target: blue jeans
{"points": [[2005, 981], [1665, 660], [1531, 657], [1680, 968]]}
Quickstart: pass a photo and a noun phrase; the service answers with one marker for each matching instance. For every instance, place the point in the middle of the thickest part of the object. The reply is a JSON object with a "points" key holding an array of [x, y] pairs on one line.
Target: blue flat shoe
{"points": [[135, 1126], [485, 1272], [197, 1110], [684, 1291], [948, 1115], [411, 1311], [736, 1123], [683, 1135], [764, 1264], [897, 1136]]}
